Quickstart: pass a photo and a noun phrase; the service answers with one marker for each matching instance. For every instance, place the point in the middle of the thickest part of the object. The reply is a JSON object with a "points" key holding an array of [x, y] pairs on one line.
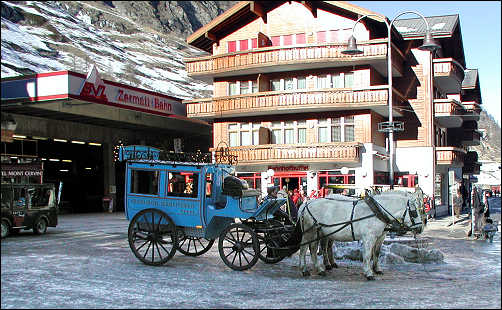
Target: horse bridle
{"points": [[397, 224]]}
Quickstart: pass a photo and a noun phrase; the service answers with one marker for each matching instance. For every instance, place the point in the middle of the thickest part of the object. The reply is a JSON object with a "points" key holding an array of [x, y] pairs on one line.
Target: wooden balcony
{"points": [[346, 152], [471, 168], [471, 137], [374, 98], [290, 58], [448, 75], [449, 155], [448, 113], [472, 110]]}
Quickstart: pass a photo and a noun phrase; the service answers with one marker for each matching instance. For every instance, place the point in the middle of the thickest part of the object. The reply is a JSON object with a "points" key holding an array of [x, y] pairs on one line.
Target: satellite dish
{"points": [[344, 170]]}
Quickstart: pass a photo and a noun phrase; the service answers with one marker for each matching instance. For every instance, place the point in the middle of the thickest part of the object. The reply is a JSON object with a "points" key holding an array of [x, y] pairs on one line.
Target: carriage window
{"points": [[145, 182], [183, 184]]}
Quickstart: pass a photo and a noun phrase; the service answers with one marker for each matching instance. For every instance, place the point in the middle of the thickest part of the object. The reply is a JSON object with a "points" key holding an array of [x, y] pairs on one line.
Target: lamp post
{"points": [[428, 45]]}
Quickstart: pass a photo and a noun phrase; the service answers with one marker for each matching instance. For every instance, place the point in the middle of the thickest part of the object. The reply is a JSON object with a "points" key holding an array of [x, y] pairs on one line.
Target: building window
{"points": [[323, 81], [242, 87], [301, 82], [289, 84], [339, 129], [231, 46], [233, 88], [300, 38], [337, 80], [275, 84], [349, 80], [302, 131], [243, 45], [348, 124], [243, 134], [253, 179]]}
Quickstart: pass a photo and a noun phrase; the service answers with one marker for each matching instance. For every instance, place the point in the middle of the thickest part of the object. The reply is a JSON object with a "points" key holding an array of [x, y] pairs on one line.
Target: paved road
{"points": [[86, 263]]}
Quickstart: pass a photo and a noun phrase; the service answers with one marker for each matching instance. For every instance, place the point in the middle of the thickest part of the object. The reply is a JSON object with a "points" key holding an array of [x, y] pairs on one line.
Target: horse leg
{"points": [[313, 255], [324, 248], [330, 254], [327, 249], [368, 244], [376, 254], [303, 252]]}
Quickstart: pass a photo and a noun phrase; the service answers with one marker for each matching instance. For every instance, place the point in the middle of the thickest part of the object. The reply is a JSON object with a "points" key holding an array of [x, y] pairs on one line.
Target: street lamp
{"points": [[428, 45]]}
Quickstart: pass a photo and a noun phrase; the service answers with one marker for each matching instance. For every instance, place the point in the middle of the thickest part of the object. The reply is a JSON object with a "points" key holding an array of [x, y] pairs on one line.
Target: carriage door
{"points": [[209, 193]]}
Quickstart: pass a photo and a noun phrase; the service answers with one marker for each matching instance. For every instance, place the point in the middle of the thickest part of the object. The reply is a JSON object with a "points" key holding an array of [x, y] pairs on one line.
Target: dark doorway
{"points": [[291, 183]]}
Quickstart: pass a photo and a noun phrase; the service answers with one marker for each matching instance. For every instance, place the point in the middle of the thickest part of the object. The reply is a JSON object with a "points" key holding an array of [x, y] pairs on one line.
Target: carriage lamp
{"points": [[429, 44]]}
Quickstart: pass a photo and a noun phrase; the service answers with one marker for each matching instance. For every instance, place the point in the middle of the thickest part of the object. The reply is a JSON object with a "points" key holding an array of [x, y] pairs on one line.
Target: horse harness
{"points": [[392, 224]]}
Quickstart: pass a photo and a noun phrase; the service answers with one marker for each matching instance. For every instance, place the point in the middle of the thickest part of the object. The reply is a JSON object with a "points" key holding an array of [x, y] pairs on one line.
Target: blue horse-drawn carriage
{"points": [[185, 201]]}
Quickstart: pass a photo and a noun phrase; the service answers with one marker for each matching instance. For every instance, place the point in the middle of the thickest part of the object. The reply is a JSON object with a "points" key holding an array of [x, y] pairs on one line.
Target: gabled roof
{"points": [[471, 83], [470, 78], [415, 27], [245, 12]]}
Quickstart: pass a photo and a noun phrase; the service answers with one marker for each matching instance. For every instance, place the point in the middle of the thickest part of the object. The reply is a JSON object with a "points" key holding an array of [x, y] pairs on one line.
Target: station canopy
{"points": [[72, 96]]}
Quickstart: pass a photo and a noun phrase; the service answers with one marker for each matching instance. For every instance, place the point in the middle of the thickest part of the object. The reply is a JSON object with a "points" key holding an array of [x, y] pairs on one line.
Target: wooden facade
{"points": [[278, 69]]}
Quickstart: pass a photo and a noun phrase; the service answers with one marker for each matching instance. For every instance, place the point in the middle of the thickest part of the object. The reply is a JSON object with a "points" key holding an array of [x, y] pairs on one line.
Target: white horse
{"points": [[347, 219]]}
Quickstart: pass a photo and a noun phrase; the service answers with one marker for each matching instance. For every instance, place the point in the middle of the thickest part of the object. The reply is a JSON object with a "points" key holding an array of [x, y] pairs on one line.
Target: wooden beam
{"points": [[310, 6], [211, 36], [258, 10]]}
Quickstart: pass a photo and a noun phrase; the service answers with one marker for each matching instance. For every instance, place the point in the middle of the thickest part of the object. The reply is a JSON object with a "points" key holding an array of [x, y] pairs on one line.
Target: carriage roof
{"points": [[149, 155]]}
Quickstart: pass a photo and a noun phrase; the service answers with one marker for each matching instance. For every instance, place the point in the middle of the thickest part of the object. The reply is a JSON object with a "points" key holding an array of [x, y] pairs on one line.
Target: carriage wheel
{"points": [[266, 254], [152, 237], [193, 246], [238, 246]]}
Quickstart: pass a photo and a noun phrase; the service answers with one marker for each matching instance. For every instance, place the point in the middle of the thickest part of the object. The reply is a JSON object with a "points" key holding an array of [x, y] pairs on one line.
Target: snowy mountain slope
{"points": [[50, 36]]}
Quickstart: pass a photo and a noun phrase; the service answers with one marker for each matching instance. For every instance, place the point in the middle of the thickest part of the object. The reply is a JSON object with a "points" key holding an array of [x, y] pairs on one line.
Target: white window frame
{"points": [[330, 123]]}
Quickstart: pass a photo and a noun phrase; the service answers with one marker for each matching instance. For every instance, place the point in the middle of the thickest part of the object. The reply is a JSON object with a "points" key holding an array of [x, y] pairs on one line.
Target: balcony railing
{"points": [[373, 97], [448, 155], [290, 153], [448, 112], [448, 75], [297, 57]]}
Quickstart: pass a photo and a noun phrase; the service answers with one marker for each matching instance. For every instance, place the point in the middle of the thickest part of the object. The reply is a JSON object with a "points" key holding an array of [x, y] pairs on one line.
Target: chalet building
{"points": [[286, 98]]}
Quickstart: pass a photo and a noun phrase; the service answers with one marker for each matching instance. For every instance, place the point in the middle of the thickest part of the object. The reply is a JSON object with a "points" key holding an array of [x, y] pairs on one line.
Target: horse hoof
{"points": [[334, 265], [379, 272], [322, 273], [328, 267], [306, 274], [370, 278]]}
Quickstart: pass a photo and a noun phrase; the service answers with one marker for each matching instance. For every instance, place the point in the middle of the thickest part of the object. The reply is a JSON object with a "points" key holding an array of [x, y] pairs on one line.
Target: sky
{"points": [[480, 27]]}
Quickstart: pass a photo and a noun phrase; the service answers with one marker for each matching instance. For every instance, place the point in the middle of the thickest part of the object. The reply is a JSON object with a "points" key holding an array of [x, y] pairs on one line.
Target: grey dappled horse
{"points": [[341, 218]]}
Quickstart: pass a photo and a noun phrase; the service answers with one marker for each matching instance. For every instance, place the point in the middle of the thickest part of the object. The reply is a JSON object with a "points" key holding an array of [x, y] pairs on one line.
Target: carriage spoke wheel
{"points": [[152, 237], [193, 246], [238, 247]]}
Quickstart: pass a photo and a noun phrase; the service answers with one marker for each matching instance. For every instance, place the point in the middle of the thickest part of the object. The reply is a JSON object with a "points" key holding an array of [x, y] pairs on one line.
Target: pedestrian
{"points": [[457, 201], [272, 192], [477, 207], [297, 198], [486, 210]]}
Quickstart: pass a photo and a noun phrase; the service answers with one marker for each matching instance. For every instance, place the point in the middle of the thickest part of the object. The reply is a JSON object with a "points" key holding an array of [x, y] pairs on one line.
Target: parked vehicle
{"points": [[28, 206]]}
